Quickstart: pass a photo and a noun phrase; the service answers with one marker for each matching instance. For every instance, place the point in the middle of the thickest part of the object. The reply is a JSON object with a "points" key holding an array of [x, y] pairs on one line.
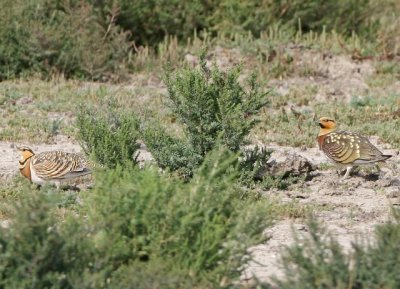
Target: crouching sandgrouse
{"points": [[51, 166]]}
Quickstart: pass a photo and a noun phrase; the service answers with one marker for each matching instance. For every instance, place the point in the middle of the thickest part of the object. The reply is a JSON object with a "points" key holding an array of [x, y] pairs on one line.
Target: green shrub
{"points": [[234, 16], [135, 229], [201, 228], [343, 16], [320, 262], [389, 24], [59, 37], [150, 21], [171, 152], [38, 251], [213, 107], [109, 135], [97, 40], [253, 164], [212, 104]]}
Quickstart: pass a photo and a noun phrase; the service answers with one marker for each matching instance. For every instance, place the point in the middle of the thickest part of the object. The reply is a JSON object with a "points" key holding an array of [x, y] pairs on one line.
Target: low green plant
{"points": [[254, 168], [135, 229], [108, 135], [281, 182], [60, 37], [38, 250], [212, 107], [253, 163], [211, 103], [203, 226], [319, 261], [173, 153]]}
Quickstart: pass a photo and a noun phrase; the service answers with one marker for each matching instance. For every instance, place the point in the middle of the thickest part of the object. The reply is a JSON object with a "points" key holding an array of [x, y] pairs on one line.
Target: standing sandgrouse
{"points": [[51, 167], [346, 148]]}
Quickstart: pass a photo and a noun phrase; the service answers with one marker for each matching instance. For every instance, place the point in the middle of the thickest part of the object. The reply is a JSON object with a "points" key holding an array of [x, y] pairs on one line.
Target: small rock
{"points": [[143, 156], [392, 192], [5, 224], [24, 100], [395, 182], [191, 59], [300, 227], [287, 163]]}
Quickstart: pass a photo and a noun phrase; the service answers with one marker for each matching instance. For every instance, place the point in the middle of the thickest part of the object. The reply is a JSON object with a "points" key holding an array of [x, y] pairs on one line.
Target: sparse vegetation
{"points": [[371, 115], [320, 261], [109, 136], [115, 74], [212, 106], [100, 40], [134, 219]]}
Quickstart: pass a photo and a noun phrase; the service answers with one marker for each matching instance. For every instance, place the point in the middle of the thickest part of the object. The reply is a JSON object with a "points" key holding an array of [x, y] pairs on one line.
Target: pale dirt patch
{"points": [[336, 77]]}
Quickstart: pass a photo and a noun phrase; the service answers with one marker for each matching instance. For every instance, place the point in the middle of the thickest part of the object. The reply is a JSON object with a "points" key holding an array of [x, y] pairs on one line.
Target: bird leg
{"points": [[348, 169]]}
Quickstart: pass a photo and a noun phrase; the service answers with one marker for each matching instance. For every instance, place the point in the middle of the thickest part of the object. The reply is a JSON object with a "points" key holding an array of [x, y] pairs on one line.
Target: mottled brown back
{"points": [[57, 164], [350, 148]]}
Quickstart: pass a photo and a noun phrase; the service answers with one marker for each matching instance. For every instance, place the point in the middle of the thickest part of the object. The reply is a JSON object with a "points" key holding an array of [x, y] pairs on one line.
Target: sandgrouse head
{"points": [[26, 153]]}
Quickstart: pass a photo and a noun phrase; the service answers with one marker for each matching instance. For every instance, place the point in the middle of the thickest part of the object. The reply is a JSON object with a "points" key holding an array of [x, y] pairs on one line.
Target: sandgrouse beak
{"points": [[318, 123]]}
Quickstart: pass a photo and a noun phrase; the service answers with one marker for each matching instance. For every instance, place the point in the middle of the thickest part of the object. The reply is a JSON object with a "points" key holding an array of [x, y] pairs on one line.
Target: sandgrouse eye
{"points": [[346, 148], [52, 166]]}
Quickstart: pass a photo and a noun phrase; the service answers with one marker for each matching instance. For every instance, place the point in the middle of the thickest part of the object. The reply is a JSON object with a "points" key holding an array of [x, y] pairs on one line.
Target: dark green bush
{"points": [[38, 251], [97, 39], [344, 16], [109, 135], [59, 37], [211, 103], [320, 262], [135, 229], [149, 21], [213, 107], [201, 228], [171, 152]]}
